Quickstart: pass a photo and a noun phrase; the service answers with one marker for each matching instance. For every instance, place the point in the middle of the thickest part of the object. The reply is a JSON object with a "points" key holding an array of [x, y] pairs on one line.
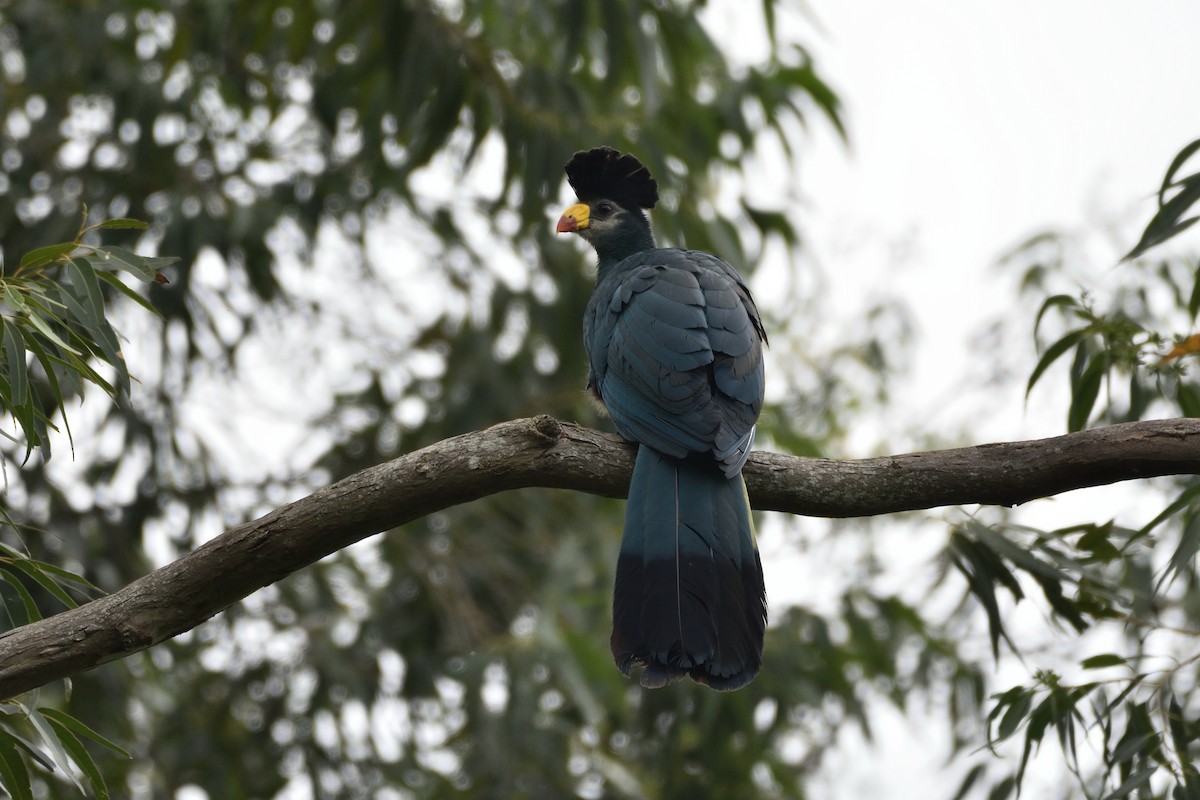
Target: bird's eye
{"points": [[605, 208]]}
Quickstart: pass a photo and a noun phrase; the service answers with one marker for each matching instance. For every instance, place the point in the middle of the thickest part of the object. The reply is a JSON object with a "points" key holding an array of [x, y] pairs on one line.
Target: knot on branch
{"points": [[547, 428]]}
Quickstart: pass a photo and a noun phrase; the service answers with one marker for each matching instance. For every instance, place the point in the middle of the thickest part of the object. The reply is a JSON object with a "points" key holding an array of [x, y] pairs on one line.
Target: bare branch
{"points": [[545, 452]]}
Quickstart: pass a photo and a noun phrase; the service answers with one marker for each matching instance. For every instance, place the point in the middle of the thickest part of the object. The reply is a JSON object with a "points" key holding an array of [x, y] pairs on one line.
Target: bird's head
{"points": [[598, 220], [612, 189]]}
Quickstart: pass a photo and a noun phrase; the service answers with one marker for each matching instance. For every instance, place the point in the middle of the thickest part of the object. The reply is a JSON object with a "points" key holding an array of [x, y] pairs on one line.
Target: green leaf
{"points": [[46, 255], [1018, 555], [1103, 660], [1039, 720], [52, 378], [1167, 222], [144, 268], [76, 367], [14, 298], [1052, 354], [18, 375], [32, 569], [1176, 164], [1052, 589], [1185, 552], [103, 337], [1161, 234], [1084, 392], [1185, 499], [1015, 715], [1096, 542], [87, 290], [1140, 738], [60, 574], [128, 291], [52, 742], [772, 222], [1193, 305], [1179, 726], [32, 614], [81, 757], [1064, 301], [43, 328], [80, 729], [1003, 789], [972, 776], [983, 570], [1188, 399], [14, 774], [120, 223], [1137, 780]]}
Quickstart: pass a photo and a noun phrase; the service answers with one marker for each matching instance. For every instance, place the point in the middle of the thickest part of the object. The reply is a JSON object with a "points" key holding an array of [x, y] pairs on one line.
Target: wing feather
{"points": [[675, 345]]}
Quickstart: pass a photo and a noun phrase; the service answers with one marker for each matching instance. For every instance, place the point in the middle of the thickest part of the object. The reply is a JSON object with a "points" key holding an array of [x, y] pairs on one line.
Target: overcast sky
{"points": [[976, 124]]}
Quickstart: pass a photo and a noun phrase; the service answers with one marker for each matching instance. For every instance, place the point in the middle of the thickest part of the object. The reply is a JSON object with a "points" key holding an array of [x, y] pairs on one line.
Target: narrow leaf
{"points": [[128, 291], [1084, 393], [1185, 499], [1052, 354], [1065, 301], [1193, 305], [1015, 715], [46, 255], [1176, 163], [32, 614], [14, 775], [120, 223], [122, 259], [1189, 545], [1103, 660], [87, 288], [1003, 789], [80, 729], [975, 773], [1135, 781], [14, 298], [1158, 236], [46, 582], [44, 329], [18, 375], [52, 378], [82, 758], [1179, 725], [50, 739]]}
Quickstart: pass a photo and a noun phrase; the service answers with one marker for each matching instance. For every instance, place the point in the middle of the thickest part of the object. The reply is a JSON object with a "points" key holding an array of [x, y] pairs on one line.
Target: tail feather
{"points": [[689, 597]]}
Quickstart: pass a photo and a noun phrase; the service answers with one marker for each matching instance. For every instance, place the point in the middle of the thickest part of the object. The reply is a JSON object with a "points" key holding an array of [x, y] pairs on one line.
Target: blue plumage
{"points": [[674, 344]]}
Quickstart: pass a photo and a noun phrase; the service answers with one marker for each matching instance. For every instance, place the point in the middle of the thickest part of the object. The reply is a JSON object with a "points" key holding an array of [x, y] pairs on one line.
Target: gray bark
{"points": [[545, 452]]}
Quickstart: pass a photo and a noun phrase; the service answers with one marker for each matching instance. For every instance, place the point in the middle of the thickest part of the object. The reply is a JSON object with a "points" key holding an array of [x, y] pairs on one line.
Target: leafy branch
{"points": [[1142, 730], [1169, 220], [54, 327]]}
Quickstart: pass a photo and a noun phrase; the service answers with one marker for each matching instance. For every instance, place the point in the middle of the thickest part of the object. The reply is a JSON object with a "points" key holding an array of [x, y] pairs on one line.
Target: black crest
{"points": [[602, 172]]}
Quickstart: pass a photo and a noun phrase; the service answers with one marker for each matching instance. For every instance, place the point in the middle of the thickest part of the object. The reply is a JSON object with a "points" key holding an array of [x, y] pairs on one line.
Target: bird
{"points": [[674, 346]]}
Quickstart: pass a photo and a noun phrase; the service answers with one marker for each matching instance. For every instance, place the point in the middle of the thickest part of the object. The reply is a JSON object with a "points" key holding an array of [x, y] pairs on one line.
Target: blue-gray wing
{"points": [[675, 345]]}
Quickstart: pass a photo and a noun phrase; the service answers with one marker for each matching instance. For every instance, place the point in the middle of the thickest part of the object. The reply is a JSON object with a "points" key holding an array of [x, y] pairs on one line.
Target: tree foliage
{"points": [[294, 157]]}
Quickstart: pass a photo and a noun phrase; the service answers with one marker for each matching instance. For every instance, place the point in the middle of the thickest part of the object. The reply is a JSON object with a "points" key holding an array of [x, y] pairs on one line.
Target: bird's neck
{"points": [[612, 252]]}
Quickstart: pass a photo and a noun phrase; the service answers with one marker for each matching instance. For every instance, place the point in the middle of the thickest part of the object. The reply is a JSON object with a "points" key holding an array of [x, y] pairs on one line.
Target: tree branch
{"points": [[545, 452]]}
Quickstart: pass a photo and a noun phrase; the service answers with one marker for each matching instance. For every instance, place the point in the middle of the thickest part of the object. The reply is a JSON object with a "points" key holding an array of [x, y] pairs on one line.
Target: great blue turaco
{"points": [[675, 348]]}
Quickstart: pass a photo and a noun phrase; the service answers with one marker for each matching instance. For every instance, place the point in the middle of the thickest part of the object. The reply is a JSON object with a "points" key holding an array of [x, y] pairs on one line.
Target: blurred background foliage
{"points": [[361, 197]]}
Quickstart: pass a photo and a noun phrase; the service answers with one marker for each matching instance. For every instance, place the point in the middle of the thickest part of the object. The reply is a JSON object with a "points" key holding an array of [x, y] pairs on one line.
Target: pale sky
{"points": [[976, 124]]}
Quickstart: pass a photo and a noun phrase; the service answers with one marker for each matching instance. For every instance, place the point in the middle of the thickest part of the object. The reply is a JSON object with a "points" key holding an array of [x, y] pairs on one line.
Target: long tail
{"points": [[689, 597]]}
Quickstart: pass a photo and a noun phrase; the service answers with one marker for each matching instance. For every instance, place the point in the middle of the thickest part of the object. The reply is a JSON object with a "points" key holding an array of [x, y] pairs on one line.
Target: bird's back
{"points": [[674, 341]]}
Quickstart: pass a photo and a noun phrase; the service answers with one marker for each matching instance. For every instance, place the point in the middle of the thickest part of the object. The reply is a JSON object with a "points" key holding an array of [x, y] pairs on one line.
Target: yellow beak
{"points": [[573, 219]]}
